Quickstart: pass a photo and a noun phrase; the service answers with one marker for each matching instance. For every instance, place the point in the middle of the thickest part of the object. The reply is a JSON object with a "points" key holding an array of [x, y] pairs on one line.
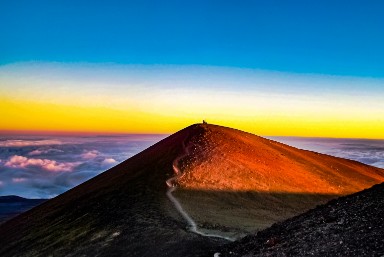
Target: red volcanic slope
{"points": [[228, 159]]}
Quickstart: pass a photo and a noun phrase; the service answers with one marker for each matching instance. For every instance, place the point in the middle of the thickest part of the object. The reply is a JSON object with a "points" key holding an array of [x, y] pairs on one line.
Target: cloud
{"points": [[90, 154], [19, 180], [35, 152], [17, 161], [44, 151], [23, 143], [108, 161], [1, 183], [379, 164]]}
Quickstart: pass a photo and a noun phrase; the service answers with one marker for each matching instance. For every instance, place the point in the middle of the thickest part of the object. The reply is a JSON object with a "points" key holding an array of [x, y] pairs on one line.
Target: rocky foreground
{"points": [[348, 226]]}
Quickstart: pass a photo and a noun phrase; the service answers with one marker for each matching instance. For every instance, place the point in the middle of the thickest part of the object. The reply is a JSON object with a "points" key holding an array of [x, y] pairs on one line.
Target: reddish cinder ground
{"points": [[228, 159]]}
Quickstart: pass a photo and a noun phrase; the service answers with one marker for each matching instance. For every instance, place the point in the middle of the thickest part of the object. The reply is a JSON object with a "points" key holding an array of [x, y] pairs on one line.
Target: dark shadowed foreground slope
{"points": [[348, 226], [233, 183], [12, 205]]}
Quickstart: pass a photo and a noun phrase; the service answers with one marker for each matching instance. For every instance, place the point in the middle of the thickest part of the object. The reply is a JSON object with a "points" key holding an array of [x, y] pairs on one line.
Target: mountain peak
{"points": [[222, 158], [196, 187]]}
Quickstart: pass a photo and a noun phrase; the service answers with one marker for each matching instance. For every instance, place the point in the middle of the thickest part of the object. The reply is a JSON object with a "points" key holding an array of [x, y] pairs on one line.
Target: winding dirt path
{"points": [[172, 186]]}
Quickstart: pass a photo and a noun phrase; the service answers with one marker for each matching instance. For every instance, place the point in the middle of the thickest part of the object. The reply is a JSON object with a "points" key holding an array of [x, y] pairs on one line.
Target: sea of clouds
{"points": [[45, 166], [367, 151]]}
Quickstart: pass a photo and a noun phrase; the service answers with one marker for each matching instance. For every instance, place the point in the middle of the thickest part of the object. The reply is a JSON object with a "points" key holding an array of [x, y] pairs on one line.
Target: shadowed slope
{"points": [[233, 182], [348, 226]]}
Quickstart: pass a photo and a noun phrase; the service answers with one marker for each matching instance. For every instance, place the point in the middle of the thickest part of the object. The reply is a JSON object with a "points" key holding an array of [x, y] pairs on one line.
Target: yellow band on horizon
{"points": [[35, 116]]}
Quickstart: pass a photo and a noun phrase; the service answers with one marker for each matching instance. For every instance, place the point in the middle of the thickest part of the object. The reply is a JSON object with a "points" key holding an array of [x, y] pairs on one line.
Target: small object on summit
{"points": [[204, 122]]}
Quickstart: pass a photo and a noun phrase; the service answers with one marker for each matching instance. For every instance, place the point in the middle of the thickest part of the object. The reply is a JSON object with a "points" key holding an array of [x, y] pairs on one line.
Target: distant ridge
{"points": [[12, 198], [232, 183], [12, 205]]}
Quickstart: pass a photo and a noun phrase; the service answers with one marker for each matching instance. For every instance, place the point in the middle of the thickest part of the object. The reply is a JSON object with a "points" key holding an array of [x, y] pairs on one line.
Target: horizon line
{"points": [[121, 133], [73, 133]]}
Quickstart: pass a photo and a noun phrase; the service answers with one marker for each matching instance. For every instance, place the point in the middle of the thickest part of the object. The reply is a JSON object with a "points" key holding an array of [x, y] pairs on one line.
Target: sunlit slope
{"points": [[228, 159]]}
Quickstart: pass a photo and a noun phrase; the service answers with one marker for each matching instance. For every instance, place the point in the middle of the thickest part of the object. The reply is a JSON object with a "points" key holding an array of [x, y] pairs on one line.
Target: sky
{"points": [[276, 68]]}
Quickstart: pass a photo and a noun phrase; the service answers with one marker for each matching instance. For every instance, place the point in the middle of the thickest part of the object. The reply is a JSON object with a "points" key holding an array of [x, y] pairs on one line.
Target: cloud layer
{"points": [[43, 167], [22, 143], [367, 151]]}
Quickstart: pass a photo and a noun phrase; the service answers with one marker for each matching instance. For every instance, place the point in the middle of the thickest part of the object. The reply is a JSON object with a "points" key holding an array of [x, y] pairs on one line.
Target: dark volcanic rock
{"points": [[348, 226]]}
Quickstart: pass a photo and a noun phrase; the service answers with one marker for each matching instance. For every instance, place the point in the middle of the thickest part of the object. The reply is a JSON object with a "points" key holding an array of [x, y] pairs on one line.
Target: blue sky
{"points": [[321, 37]]}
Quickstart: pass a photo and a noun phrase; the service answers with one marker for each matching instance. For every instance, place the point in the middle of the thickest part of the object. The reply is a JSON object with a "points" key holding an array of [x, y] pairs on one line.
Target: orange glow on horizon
{"points": [[46, 118]]}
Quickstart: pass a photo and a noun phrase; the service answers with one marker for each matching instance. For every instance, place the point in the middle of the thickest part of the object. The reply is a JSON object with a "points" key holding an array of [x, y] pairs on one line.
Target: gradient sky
{"points": [[300, 68]]}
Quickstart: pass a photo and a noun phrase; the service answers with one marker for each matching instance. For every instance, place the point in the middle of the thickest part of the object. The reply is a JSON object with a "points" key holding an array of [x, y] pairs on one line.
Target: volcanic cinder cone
{"points": [[229, 182], [244, 183]]}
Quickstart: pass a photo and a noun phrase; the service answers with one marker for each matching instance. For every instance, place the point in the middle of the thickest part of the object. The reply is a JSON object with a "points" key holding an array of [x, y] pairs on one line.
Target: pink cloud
{"points": [[21, 143], [90, 154], [18, 180], [108, 161], [1, 183], [18, 161]]}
